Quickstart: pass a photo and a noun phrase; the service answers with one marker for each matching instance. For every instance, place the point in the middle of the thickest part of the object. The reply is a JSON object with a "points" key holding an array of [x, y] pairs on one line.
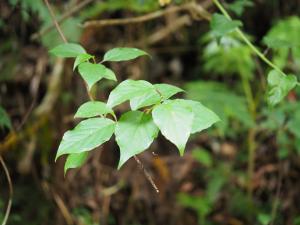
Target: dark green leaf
{"points": [[135, 131], [4, 119]]}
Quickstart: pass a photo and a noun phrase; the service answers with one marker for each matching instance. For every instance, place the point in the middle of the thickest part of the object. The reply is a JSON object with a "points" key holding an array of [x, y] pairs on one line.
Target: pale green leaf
{"points": [[203, 117], [75, 160], [4, 119], [81, 59], [123, 54], [161, 93], [68, 50], [135, 131], [280, 85], [175, 122], [167, 91], [91, 109], [92, 73], [221, 26], [150, 97], [86, 136], [127, 90]]}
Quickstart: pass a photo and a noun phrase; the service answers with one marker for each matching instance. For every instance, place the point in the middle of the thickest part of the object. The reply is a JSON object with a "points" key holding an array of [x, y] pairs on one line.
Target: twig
{"points": [[55, 22], [148, 176], [65, 16], [150, 16], [10, 186]]}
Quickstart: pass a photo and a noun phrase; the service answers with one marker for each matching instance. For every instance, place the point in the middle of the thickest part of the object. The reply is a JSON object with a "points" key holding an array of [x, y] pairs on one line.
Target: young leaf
{"points": [[92, 73], [68, 50], [123, 54], [4, 119], [167, 91], [203, 117], [127, 90], [91, 109], [81, 58], [174, 120], [75, 160], [135, 131], [86, 136], [221, 26], [280, 85]]}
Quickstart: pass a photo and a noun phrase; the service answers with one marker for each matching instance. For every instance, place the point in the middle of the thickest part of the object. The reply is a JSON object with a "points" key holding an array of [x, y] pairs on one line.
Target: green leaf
{"points": [[127, 90], [161, 93], [221, 26], [86, 136], [75, 160], [123, 54], [81, 58], [174, 120], [167, 91], [135, 131], [279, 85], [4, 119], [150, 97], [92, 73], [203, 117], [91, 109], [68, 50]]}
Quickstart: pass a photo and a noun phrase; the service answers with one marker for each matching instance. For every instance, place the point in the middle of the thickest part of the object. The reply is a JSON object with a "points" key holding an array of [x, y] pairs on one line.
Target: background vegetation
{"points": [[243, 170]]}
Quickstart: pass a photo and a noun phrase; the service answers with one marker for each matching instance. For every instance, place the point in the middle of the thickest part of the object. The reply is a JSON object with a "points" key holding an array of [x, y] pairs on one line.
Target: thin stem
{"points": [[10, 186], [55, 22], [246, 40], [148, 176]]}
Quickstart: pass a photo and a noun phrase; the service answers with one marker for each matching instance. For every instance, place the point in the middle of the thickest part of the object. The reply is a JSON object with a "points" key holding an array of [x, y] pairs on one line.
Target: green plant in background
{"points": [[215, 179], [4, 119], [151, 110]]}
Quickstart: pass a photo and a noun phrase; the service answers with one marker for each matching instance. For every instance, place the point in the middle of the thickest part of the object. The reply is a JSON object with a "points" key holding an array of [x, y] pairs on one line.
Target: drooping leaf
{"points": [[123, 54], [175, 122], [167, 91], [221, 26], [279, 85], [135, 131], [91, 109], [68, 50], [75, 160], [4, 119], [92, 73], [203, 117], [86, 136], [81, 59], [127, 90]]}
